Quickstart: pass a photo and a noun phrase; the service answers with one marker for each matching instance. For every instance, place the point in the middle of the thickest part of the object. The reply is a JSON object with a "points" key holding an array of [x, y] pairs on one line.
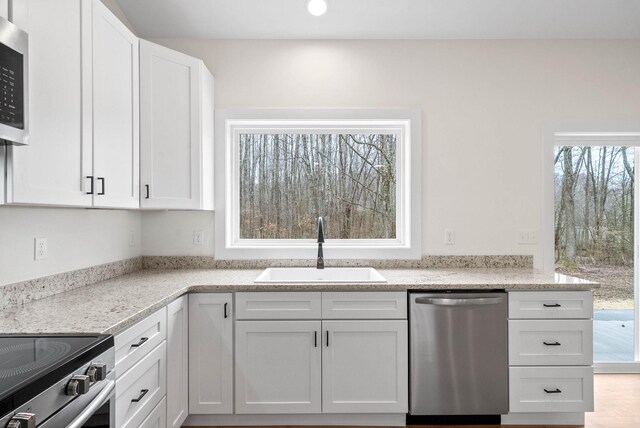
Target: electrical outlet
{"points": [[41, 249], [132, 238], [527, 237], [449, 237], [198, 237]]}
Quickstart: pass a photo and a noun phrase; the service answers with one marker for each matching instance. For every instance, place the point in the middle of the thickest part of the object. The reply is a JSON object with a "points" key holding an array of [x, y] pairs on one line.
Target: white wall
{"points": [[485, 106], [77, 238], [170, 233]]}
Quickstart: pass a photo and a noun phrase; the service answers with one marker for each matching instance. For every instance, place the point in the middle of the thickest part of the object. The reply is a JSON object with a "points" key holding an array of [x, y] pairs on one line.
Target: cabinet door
{"points": [[53, 168], [4, 9], [115, 111], [157, 418], [364, 367], [210, 353], [171, 125], [177, 362], [278, 367]]}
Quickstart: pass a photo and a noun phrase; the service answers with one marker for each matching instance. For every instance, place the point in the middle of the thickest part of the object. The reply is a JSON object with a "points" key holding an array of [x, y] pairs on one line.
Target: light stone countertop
{"points": [[112, 305]]}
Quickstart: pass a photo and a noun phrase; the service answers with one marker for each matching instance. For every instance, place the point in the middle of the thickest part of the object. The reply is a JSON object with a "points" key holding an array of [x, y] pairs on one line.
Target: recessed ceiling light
{"points": [[317, 7]]}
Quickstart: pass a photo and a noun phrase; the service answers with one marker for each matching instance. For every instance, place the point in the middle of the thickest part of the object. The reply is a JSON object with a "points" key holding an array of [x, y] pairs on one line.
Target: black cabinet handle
{"points": [[90, 192], [327, 338], [101, 179], [552, 343], [552, 305], [315, 339], [143, 392], [146, 186], [555, 391], [226, 314], [142, 340]]}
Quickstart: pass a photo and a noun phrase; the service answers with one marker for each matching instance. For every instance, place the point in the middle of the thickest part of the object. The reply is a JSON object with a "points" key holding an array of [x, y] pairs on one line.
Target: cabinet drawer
{"points": [[550, 304], [364, 305], [158, 416], [550, 342], [136, 341], [550, 389], [146, 382], [278, 305]]}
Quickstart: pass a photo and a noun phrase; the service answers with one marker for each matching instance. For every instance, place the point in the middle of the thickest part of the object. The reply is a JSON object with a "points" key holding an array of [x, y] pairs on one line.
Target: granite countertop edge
{"points": [[154, 289]]}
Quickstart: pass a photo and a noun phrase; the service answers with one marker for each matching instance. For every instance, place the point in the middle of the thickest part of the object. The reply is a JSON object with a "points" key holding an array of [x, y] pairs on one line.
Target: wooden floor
{"points": [[617, 398]]}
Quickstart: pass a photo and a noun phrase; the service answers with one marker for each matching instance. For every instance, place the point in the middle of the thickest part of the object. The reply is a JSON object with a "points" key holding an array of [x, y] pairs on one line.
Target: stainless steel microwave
{"points": [[14, 82]]}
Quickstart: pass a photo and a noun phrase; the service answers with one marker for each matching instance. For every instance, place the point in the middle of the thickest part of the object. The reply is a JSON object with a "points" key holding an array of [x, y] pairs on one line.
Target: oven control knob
{"points": [[22, 420], [78, 385], [97, 372]]}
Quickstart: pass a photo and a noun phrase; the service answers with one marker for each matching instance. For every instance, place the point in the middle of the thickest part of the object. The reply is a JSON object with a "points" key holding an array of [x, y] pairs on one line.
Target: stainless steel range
{"points": [[57, 381]]}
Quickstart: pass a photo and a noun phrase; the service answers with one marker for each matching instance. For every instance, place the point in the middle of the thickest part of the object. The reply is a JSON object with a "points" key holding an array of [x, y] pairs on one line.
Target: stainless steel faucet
{"points": [[320, 262]]}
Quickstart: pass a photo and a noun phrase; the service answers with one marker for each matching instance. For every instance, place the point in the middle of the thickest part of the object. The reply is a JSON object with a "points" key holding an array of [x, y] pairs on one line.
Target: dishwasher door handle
{"points": [[475, 301]]}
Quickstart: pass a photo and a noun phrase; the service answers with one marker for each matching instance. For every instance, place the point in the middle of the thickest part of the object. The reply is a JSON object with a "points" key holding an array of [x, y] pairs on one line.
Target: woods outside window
{"points": [[282, 174]]}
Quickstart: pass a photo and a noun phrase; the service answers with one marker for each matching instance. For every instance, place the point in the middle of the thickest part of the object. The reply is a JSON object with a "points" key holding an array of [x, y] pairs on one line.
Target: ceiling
{"points": [[386, 19]]}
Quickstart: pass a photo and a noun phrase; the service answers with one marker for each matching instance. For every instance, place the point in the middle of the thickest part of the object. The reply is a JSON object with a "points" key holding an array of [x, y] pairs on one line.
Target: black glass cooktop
{"points": [[32, 362]]}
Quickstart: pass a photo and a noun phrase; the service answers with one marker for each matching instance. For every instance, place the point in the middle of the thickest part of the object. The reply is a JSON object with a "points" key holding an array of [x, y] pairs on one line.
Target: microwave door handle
{"points": [[99, 401]]}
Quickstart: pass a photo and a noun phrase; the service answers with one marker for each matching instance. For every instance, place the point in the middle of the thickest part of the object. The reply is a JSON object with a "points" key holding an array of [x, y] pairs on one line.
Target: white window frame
{"points": [[404, 123]]}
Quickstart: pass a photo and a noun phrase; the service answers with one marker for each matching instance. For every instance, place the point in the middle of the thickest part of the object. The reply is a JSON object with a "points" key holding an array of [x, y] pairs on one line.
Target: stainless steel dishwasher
{"points": [[458, 353]]}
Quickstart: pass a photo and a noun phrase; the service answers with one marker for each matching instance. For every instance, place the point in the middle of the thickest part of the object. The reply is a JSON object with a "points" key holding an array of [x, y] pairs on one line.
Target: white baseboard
{"points": [[396, 420], [543, 419]]}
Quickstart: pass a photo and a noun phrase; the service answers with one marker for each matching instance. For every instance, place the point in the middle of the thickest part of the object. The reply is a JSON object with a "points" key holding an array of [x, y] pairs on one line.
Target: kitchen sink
{"points": [[309, 275]]}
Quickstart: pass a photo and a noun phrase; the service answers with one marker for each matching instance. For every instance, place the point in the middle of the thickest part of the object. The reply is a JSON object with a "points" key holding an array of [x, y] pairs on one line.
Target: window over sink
{"points": [[277, 171]]}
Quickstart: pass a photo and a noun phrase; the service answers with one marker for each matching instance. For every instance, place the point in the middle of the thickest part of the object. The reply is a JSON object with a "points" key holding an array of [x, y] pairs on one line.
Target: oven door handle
{"points": [[101, 398]]}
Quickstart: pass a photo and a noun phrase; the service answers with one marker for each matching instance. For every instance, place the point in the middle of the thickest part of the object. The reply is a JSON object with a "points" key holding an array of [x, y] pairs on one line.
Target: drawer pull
{"points": [[554, 391], [552, 305], [552, 343], [143, 392], [142, 340]]}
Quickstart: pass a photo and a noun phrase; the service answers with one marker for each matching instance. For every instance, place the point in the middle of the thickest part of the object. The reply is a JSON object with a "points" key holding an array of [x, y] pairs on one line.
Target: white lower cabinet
{"points": [[278, 367], [177, 402], [141, 388], [210, 353], [550, 389], [158, 416], [365, 366], [141, 373], [550, 352], [321, 366]]}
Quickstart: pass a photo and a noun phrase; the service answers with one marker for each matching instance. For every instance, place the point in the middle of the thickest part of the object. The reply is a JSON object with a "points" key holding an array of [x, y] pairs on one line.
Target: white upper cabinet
{"points": [[83, 107], [53, 168], [4, 9], [116, 141], [176, 130]]}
